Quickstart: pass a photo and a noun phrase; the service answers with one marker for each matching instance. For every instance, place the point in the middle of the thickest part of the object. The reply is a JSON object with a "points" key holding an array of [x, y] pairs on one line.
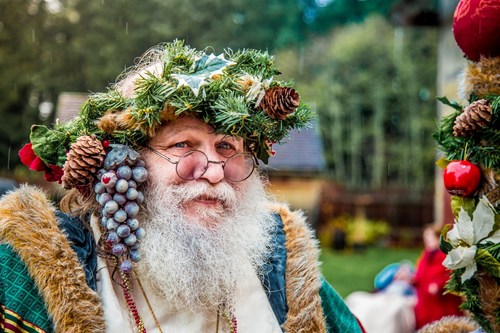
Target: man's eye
{"points": [[226, 149], [180, 145]]}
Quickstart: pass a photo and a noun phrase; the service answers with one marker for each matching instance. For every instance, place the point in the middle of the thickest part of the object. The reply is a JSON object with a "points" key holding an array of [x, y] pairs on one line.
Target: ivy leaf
{"points": [[485, 259], [458, 202], [48, 144], [206, 67]]}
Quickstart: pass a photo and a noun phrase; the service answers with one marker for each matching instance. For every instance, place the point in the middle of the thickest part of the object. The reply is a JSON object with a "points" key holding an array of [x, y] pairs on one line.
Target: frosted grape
{"points": [[123, 230], [131, 194], [132, 184], [120, 216], [126, 266], [140, 197], [111, 224], [104, 198], [109, 179], [120, 198], [124, 172], [99, 188], [110, 190], [135, 256], [140, 163], [130, 240], [113, 237], [132, 208], [140, 233], [133, 224], [121, 186], [111, 207], [139, 174], [118, 249]]}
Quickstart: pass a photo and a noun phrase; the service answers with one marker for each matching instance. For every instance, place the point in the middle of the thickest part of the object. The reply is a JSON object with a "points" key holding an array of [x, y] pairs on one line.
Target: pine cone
{"points": [[82, 161], [473, 117], [279, 102]]}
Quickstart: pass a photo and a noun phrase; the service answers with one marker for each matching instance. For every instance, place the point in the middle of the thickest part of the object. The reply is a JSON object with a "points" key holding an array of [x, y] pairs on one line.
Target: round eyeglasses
{"points": [[194, 163]]}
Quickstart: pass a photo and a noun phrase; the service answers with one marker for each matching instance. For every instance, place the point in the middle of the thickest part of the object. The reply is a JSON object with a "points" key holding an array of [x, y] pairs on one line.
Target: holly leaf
{"points": [[48, 145], [204, 68]]}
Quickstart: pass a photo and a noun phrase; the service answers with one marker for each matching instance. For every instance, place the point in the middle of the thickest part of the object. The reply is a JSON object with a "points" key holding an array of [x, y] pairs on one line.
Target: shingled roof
{"points": [[300, 153]]}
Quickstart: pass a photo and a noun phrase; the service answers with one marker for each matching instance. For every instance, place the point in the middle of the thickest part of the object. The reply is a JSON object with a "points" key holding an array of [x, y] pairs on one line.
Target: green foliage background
{"points": [[372, 84]]}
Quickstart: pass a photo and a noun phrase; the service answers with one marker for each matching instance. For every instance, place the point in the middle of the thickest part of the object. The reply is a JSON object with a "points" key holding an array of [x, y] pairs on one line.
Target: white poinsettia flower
{"points": [[460, 257], [466, 233]]}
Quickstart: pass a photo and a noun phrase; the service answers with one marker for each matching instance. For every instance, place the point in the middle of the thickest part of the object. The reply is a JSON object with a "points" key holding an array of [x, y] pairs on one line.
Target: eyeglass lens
{"points": [[195, 163]]}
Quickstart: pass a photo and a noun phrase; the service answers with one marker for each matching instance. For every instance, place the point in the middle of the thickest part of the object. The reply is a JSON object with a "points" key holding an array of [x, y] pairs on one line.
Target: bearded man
{"points": [[167, 226]]}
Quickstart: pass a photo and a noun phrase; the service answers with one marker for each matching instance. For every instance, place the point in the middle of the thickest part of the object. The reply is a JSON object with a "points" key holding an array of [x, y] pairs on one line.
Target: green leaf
{"points": [[442, 162], [490, 263], [444, 245], [468, 204], [48, 144], [446, 101]]}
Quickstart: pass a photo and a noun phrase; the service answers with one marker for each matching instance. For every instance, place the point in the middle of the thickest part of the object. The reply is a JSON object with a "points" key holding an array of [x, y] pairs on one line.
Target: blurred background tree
{"points": [[371, 83]]}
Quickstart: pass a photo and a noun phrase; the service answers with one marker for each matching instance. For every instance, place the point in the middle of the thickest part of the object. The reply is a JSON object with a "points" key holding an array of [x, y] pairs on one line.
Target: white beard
{"points": [[198, 266]]}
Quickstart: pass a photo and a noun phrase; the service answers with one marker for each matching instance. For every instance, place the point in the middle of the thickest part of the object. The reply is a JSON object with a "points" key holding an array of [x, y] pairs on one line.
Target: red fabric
{"points": [[28, 158], [433, 305], [52, 173]]}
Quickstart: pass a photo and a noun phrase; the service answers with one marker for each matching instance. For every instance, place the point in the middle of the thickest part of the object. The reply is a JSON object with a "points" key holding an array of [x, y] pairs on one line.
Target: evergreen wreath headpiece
{"points": [[470, 140], [235, 92]]}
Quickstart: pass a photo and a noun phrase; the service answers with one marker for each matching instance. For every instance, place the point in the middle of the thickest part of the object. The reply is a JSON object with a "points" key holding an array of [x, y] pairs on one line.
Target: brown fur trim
{"points": [[303, 282], [450, 324], [29, 225], [482, 78], [489, 296]]}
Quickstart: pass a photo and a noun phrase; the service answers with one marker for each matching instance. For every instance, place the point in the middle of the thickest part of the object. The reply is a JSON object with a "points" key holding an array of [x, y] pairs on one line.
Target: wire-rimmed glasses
{"points": [[194, 163]]}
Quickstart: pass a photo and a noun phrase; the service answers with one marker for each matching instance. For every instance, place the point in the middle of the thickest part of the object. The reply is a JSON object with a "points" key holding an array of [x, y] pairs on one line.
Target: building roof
{"points": [[301, 152], [68, 105]]}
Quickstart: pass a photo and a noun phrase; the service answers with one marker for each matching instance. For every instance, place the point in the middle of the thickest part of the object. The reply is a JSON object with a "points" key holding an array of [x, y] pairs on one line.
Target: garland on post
{"points": [[469, 137]]}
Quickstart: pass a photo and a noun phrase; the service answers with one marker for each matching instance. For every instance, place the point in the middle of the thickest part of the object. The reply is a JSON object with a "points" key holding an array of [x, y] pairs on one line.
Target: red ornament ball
{"points": [[476, 27], [461, 178]]}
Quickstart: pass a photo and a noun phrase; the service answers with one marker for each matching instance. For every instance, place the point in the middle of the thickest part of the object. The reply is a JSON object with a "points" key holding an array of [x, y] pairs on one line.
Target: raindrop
{"points": [[126, 28]]}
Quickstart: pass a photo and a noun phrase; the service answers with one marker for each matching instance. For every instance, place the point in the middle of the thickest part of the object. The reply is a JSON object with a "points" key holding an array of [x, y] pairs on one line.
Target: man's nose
{"points": [[215, 169]]}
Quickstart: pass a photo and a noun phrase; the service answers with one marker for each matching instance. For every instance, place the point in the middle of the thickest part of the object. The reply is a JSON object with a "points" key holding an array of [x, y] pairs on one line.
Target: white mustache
{"points": [[201, 190]]}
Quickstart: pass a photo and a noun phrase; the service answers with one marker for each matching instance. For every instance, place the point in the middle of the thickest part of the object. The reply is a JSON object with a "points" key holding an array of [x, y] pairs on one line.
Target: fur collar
{"points": [[303, 281], [28, 223]]}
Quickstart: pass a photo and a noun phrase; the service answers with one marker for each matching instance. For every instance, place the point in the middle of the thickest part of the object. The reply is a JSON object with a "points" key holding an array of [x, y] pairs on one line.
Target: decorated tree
{"points": [[470, 139]]}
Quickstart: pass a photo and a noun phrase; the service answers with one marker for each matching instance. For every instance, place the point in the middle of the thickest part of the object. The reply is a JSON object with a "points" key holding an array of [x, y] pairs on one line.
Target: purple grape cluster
{"points": [[117, 192]]}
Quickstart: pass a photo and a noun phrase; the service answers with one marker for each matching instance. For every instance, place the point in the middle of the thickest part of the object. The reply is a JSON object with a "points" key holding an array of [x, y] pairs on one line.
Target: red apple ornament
{"points": [[461, 178]]}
